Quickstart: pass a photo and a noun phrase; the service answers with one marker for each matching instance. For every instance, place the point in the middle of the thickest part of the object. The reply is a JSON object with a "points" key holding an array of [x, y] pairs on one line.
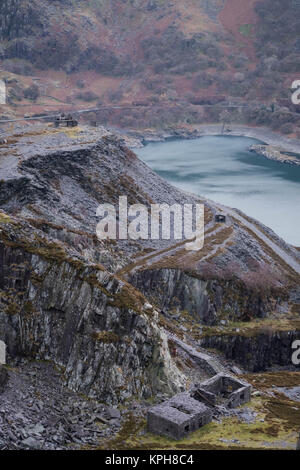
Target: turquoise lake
{"points": [[222, 168]]}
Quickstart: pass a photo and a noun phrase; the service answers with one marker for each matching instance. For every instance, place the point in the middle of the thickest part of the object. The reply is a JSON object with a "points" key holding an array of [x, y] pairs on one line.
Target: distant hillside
{"points": [[182, 54]]}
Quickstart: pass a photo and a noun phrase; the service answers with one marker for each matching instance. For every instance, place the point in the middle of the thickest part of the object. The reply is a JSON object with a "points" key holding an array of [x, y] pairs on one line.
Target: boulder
{"points": [[113, 413], [32, 443]]}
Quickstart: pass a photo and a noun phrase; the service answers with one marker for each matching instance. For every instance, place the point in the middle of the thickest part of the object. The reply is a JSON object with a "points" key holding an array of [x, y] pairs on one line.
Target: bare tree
{"points": [[225, 118]]}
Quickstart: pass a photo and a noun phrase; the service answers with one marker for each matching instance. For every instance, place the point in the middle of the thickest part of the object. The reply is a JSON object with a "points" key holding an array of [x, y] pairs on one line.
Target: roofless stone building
{"points": [[189, 411], [179, 416]]}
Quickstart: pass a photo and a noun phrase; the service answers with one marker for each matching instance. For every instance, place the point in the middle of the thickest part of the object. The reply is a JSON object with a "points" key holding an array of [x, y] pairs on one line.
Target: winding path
{"points": [[286, 257]]}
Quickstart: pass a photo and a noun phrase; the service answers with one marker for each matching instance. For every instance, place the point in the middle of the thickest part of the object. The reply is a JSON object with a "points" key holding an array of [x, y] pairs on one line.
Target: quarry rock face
{"points": [[87, 304], [90, 324], [203, 299], [83, 319], [3, 378], [256, 352]]}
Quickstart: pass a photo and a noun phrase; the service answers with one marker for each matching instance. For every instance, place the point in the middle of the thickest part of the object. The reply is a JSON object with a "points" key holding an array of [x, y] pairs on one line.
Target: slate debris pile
{"points": [[34, 414]]}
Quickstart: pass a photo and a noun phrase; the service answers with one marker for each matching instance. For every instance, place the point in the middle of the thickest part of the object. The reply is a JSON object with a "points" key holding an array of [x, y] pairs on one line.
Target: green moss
{"points": [[130, 427], [48, 250], [106, 337], [4, 218], [28, 309], [129, 298], [286, 410], [12, 309], [76, 263], [45, 226], [92, 280], [36, 279], [39, 246]]}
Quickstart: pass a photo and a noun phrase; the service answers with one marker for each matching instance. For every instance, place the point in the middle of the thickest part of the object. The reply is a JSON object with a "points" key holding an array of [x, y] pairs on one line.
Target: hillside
{"points": [[124, 322], [96, 332], [68, 174], [172, 57]]}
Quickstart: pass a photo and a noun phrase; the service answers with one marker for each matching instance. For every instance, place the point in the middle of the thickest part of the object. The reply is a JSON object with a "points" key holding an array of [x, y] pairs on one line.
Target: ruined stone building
{"points": [[223, 389], [189, 411], [179, 416]]}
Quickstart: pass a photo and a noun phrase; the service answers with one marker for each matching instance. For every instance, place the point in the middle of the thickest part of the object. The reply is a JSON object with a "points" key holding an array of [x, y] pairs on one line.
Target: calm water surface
{"points": [[221, 168]]}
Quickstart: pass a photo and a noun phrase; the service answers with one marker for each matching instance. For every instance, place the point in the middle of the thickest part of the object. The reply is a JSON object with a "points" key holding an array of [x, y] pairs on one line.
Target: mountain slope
{"points": [[67, 175], [62, 54]]}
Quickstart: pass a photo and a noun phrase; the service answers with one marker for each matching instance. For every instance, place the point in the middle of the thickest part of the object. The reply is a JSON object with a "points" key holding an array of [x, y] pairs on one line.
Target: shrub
{"points": [[16, 93], [177, 54], [202, 80], [80, 83], [263, 279], [32, 93], [87, 96], [18, 66], [115, 96], [56, 52]]}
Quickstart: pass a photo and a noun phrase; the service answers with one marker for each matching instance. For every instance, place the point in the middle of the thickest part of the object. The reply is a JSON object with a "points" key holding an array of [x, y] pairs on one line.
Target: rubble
{"points": [[34, 414]]}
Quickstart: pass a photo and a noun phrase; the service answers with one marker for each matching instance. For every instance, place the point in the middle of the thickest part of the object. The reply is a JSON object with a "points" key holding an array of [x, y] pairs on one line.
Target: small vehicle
{"points": [[65, 121]]}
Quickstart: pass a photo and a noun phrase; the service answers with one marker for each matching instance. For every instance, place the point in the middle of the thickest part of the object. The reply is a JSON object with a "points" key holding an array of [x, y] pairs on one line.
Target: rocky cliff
{"points": [[53, 306], [207, 301], [257, 352], [99, 308]]}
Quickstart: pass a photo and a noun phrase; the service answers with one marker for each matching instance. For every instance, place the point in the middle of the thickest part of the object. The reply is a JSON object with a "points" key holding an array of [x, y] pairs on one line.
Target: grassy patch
{"points": [[278, 379], [182, 258], [292, 275], [253, 328], [4, 218], [267, 431], [246, 29], [12, 309]]}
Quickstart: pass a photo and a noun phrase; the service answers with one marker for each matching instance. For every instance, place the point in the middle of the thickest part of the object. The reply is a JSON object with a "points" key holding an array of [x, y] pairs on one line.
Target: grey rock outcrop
{"points": [[203, 299], [3, 378], [68, 297], [256, 352], [276, 154], [83, 318]]}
